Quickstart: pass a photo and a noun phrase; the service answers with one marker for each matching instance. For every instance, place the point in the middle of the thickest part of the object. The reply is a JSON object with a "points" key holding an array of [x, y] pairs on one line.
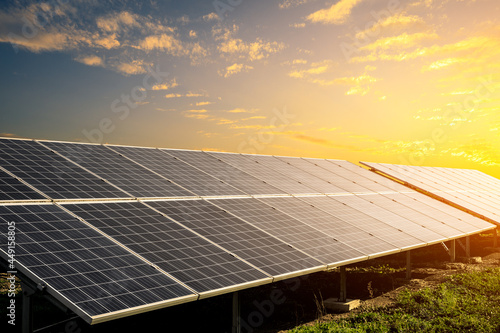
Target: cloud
{"points": [[229, 46], [131, 68], [395, 22], [235, 69], [188, 94], [336, 14], [285, 4], [203, 103], [404, 40], [91, 60], [118, 22], [211, 17], [166, 86], [480, 48], [241, 110], [440, 64]]}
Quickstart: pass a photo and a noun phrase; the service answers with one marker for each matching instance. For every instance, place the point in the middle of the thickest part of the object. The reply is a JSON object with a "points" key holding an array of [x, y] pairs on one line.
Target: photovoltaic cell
{"points": [[12, 189], [179, 172], [51, 174], [343, 230], [290, 230], [290, 170], [224, 171], [121, 172], [236, 236], [189, 258], [96, 275], [264, 173]]}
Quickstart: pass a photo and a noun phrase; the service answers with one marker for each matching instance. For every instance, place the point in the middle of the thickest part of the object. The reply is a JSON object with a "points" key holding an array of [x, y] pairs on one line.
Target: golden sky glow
{"points": [[413, 82]]}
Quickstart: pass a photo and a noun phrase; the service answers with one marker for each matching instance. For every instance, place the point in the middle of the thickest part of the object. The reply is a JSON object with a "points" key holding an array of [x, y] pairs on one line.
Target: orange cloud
{"points": [[338, 13]]}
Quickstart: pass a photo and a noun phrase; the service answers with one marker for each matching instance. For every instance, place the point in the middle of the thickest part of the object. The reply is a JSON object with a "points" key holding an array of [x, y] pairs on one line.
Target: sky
{"points": [[409, 82]]}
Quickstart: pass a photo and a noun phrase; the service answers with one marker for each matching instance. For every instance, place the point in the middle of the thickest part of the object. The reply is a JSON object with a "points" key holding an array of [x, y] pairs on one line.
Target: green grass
{"points": [[468, 302]]}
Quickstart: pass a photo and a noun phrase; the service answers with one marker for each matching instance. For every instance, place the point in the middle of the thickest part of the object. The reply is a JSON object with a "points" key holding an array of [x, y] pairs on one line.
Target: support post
{"points": [[27, 313], [408, 265], [236, 313], [495, 237], [453, 247], [343, 285], [467, 247]]}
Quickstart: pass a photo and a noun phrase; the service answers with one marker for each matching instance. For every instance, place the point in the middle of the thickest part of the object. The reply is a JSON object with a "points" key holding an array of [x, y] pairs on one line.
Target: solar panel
{"points": [[264, 173], [236, 236], [464, 194], [284, 227], [366, 221], [226, 172], [12, 189], [179, 172], [121, 172], [287, 168], [52, 174], [85, 270], [176, 250], [344, 230]]}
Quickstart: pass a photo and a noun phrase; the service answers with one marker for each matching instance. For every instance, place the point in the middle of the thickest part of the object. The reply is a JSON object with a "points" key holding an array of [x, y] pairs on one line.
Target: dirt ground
{"points": [[434, 276]]}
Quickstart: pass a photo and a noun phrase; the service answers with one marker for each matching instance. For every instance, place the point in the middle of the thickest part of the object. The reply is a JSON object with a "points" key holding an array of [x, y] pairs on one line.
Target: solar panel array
{"points": [[469, 189], [132, 229]]}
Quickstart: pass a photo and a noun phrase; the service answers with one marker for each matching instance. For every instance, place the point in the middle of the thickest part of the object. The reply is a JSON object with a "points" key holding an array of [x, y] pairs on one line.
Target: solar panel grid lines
{"points": [[440, 211], [342, 230], [390, 217], [488, 183], [179, 172], [369, 180], [455, 199], [186, 257], [51, 174], [413, 178], [289, 230], [391, 234], [13, 189], [302, 176], [467, 182], [66, 207], [224, 171], [83, 269], [255, 246], [398, 172], [456, 188], [120, 171], [347, 185], [417, 216], [264, 173]]}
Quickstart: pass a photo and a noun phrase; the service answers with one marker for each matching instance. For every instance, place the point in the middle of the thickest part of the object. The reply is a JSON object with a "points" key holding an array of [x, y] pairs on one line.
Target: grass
{"points": [[468, 302]]}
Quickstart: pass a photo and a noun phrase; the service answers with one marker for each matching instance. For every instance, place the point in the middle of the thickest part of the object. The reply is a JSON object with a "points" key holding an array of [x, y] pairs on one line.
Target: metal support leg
{"points": [[408, 265], [343, 284], [236, 313], [495, 237], [467, 247], [453, 247], [27, 314]]}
